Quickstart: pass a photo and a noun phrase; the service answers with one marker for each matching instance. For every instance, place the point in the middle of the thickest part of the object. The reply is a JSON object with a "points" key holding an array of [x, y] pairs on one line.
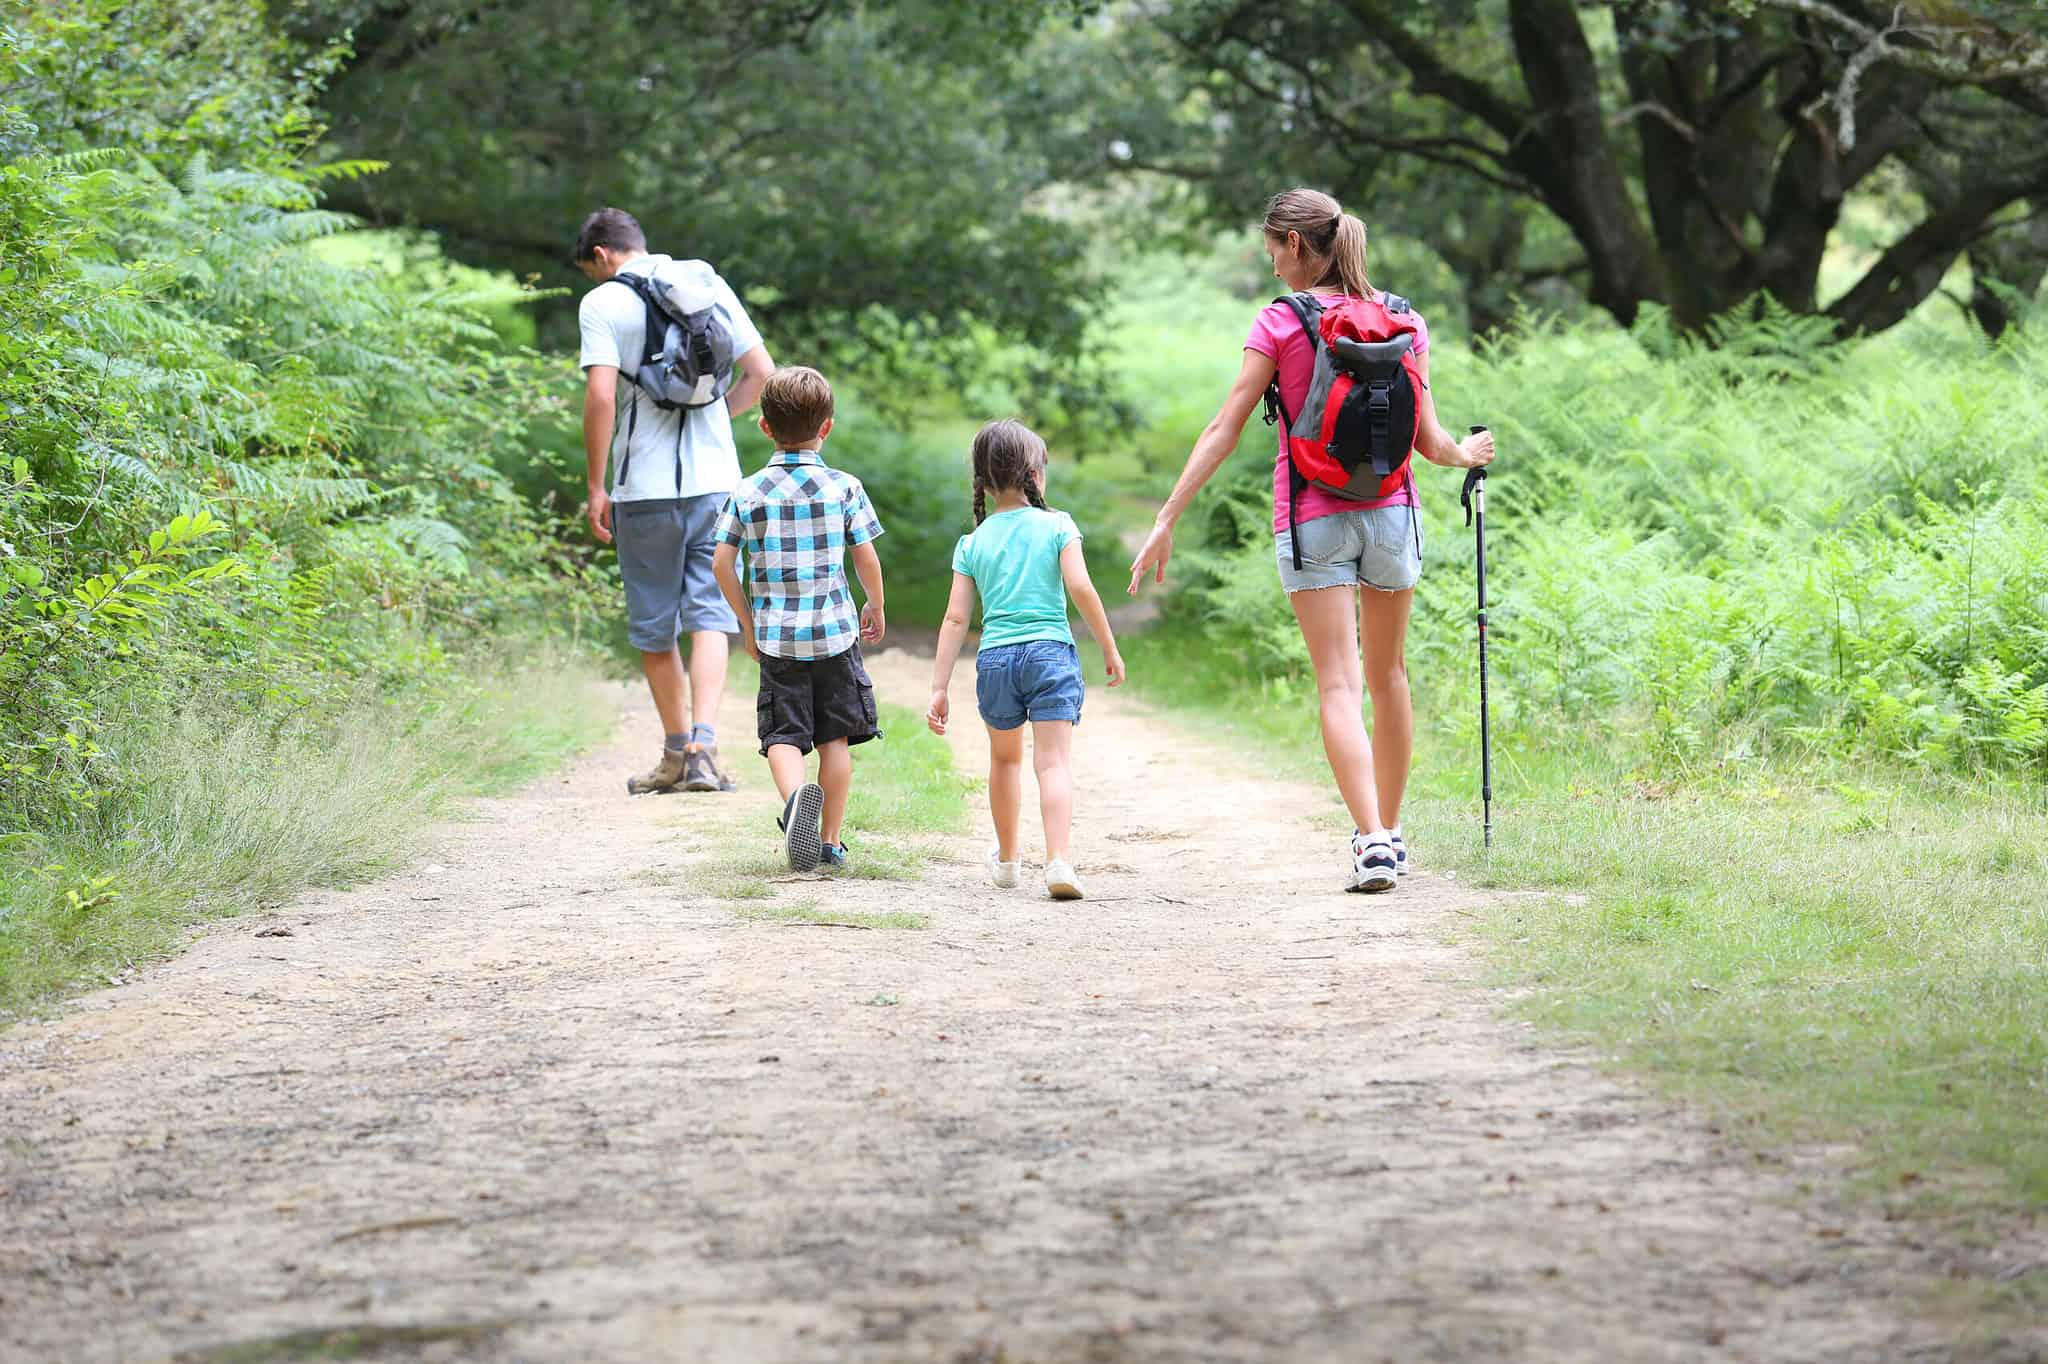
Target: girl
{"points": [[1019, 558], [1360, 560]]}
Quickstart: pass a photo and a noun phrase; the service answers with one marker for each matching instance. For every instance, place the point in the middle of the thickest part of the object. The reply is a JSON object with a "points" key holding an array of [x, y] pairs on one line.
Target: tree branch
{"points": [[1430, 76], [1912, 267]]}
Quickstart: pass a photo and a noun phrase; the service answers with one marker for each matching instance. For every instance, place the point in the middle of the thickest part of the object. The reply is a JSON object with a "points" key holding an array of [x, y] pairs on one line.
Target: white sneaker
{"points": [[1060, 881], [1400, 852], [1372, 863], [1004, 874]]}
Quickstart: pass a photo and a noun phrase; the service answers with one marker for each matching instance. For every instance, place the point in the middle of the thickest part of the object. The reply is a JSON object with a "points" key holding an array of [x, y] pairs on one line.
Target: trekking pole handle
{"points": [[1475, 480]]}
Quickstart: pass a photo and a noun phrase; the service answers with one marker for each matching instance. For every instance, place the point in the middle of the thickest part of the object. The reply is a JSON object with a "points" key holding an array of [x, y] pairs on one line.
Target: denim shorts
{"points": [[1380, 547], [665, 546], [1039, 679]]}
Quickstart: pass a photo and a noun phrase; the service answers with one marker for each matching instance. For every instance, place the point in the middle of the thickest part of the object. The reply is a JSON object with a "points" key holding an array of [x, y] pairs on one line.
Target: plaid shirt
{"points": [[795, 520]]}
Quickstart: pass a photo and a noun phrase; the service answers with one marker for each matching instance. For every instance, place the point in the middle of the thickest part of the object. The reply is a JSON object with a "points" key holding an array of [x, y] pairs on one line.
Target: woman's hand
{"points": [[1153, 554], [936, 714], [1477, 449]]}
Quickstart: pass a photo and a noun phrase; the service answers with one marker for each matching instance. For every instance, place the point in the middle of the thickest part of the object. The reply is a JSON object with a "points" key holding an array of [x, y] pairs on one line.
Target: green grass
{"points": [[219, 814], [807, 913], [906, 782], [1841, 953]]}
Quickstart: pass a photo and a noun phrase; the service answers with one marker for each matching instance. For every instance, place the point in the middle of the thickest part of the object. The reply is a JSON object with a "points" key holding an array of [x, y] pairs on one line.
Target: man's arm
{"points": [[755, 367], [867, 566], [725, 568], [600, 414]]}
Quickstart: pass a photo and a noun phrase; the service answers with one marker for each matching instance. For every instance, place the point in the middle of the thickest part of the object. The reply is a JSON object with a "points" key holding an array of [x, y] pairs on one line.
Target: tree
{"points": [[859, 171], [1692, 153]]}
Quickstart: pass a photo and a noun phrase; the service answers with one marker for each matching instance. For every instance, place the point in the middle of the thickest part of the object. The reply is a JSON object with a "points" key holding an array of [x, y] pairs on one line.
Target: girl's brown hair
{"points": [[1328, 234], [1007, 454]]}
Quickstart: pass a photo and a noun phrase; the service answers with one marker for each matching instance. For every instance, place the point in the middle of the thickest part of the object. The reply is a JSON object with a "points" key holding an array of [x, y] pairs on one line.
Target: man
{"points": [[675, 468]]}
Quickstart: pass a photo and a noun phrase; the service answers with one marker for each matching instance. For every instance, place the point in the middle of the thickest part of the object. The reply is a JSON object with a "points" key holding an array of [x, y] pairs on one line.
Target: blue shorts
{"points": [[1378, 547], [1039, 679], [665, 546]]}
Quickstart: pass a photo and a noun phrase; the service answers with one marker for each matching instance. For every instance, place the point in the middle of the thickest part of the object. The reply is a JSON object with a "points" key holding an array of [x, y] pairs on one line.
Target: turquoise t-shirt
{"points": [[1014, 559]]}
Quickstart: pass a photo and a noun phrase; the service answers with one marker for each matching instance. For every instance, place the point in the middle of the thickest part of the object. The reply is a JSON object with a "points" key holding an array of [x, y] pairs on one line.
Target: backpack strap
{"points": [[1308, 310], [1394, 303]]}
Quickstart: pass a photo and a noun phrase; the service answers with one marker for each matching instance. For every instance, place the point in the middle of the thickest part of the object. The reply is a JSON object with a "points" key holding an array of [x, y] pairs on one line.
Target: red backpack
{"points": [[1354, 435]]}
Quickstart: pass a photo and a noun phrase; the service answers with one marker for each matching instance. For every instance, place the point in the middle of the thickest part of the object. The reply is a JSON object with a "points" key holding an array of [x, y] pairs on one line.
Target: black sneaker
{"points": [[801, 839]]}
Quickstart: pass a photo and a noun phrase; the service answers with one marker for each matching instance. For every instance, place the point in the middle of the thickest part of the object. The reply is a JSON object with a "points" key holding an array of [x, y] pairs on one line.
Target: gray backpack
{"points": [[686, 358], [687, 361]]}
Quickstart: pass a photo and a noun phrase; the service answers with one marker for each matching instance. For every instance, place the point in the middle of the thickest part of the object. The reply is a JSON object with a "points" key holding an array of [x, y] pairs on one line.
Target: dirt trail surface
{"points": [[540, 1099]]}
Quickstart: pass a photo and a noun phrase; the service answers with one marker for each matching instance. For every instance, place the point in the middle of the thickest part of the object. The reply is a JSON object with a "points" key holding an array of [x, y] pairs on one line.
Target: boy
{"points": [[799, 520]]}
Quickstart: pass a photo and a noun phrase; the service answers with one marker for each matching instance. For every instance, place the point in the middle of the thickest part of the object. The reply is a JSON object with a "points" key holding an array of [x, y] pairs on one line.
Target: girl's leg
{"points": [[1329, 627], [1006, 787], [1383, 629], [1052, 758], [835, 774]]}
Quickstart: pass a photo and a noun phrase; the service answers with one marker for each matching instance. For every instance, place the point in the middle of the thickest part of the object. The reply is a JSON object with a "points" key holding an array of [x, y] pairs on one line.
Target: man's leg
{"points": [[665, 679], [708, 650]]}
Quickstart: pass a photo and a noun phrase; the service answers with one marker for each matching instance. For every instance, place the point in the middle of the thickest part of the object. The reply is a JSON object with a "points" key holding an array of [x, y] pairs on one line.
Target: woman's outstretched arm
{"points": [[1437, 445], [1212, 447]]}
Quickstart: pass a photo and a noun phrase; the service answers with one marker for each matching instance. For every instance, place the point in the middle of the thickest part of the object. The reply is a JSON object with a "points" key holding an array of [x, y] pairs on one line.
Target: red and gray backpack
{"points": [[1354, 435]]}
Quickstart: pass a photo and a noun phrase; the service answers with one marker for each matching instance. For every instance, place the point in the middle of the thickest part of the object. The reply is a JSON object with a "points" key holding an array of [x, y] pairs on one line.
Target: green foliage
{"points": [[244, 484], [1759, 544]]}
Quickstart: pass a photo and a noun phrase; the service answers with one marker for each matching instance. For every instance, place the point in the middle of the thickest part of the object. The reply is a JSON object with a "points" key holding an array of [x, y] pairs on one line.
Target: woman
{"points": [[1345, 545]]}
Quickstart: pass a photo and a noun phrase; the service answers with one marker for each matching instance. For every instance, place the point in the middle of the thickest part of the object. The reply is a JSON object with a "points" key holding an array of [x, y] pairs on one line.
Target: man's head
{"points": [[796, 408], [610, 237]]}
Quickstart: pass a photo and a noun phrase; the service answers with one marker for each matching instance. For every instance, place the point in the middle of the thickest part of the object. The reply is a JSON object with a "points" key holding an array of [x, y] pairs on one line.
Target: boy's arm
{"points": [[867, 566], [725, 568], [1074, 570], [953, 633]]}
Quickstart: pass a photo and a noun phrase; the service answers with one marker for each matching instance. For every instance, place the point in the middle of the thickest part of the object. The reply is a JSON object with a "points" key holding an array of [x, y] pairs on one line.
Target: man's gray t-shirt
{"points": [[614, 326]]}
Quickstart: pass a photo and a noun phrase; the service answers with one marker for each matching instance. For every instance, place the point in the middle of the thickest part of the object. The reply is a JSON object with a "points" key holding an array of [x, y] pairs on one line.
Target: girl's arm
{"points": [[1074, 569], [959, 608], [1212, 447], [1435, 444]]}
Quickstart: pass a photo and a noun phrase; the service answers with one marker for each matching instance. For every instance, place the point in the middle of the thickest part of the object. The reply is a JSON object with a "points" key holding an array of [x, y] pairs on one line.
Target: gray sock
{"points": [[706, 735], [674, 742]]}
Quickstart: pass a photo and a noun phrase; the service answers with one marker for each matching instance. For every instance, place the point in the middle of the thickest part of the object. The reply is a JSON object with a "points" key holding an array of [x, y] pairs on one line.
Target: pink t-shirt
{"points": [[1277, 335]]}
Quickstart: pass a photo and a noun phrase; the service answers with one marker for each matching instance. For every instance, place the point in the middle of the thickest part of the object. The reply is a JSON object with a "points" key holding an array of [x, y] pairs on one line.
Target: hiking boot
{"points": [[664, 777], [1372, 863], [1003, 874], [1060, 881], [801, 839], [832, 857], [701, 772]]}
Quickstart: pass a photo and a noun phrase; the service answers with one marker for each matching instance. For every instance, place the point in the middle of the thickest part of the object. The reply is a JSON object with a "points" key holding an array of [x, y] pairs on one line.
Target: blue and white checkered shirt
{"points": [[795, 520]]}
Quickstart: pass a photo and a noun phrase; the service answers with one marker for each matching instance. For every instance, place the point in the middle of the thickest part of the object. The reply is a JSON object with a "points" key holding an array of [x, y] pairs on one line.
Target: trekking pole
{"points": [[1473, 499]]}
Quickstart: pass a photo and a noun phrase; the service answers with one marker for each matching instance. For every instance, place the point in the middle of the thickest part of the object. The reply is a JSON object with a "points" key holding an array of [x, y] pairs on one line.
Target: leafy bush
{"points": [[1763, 544]]}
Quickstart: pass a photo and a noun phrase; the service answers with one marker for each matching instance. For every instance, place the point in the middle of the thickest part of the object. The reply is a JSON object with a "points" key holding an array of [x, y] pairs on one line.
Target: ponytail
{"points": [[1328, 234]]}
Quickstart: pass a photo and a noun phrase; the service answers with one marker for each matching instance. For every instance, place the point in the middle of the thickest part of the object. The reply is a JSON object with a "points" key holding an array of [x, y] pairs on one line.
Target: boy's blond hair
{"points": [[796, 402]]}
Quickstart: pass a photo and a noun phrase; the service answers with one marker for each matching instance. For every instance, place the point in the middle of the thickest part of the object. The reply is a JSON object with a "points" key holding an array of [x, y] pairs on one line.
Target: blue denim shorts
{"points": [[665, 547], [1039, 679], [1380, 547]]}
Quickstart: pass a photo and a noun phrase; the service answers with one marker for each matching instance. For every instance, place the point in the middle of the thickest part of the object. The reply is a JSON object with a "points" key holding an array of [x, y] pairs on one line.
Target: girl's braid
{"points": [[1007, 454]]}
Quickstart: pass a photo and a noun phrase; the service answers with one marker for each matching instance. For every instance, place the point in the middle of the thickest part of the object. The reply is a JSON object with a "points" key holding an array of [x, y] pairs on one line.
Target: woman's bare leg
{"points": [[1329, 626], [1383, 629]]}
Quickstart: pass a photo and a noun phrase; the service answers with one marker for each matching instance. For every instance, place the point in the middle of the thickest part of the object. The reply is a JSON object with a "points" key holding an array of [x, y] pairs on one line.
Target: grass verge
{"points": [[218, 814], [1832, 952]]}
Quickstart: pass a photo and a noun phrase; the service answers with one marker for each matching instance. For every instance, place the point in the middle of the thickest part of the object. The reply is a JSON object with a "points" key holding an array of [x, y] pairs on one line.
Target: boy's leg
{"points": [[1006, 788], [1052, 758], [835, 774], [786, 765]]}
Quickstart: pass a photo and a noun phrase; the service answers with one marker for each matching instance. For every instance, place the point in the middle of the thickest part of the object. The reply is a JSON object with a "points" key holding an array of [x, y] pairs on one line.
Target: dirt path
{"points": [[533, 1101]]}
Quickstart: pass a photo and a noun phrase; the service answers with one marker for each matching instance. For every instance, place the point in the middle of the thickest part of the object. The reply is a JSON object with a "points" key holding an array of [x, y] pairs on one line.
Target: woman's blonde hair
{"points": [[1328, 234]]}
